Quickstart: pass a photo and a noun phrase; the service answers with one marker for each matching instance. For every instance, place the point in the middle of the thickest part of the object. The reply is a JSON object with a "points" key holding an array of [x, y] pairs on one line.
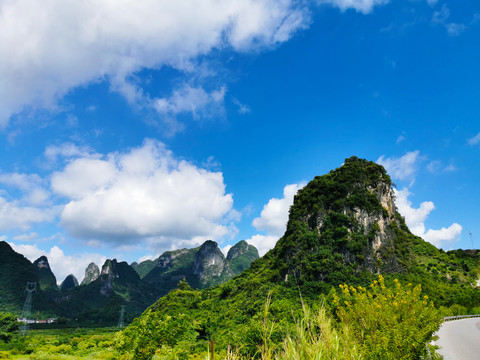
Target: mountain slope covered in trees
{"points": [[343, 228]]}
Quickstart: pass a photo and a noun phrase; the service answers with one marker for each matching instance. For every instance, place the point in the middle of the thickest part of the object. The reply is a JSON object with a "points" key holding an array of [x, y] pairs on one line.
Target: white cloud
{"points": [[441, 17], [57, 45], [432, 2], [242, 108], [364, 6], [402, 168], [436, 237], [273, 219], [474, 140], [83, 176], [68, 150], [26, 237], [14, 215], [31, 186], [263, 243], [188, 99], [436, 167], [61, 265], [147, 257], [274, 215], [226, 249], [415, 220], [145, 193]]}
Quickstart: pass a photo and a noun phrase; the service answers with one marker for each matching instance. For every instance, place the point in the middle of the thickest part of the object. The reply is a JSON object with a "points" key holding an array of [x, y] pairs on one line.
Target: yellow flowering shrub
{"points": [[389, 323]]}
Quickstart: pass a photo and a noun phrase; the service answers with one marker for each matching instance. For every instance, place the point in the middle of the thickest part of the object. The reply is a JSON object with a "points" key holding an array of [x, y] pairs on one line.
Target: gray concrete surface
{"points": [[459, 339]]}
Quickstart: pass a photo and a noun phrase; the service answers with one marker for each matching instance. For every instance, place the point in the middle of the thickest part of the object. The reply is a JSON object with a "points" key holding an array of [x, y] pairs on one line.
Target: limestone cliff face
{"points": [[119, 272], [347, 214], [201, 267], [92, 272], [70, 282], [374, 222], [209, 262]]}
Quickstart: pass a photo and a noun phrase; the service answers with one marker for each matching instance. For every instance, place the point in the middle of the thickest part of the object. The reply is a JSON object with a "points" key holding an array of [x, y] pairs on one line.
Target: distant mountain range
{"points": [[101, 294]]}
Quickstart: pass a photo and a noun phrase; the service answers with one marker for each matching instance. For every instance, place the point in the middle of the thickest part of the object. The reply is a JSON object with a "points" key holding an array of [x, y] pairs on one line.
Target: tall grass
{"points": [[316, 338]]}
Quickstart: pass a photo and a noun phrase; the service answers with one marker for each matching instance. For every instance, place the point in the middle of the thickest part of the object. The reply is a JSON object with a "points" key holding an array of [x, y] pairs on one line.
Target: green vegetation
{"points": [[389, 323], [61, 344], [8, 327], [293, 302], [343, 228], [355, 323], [15, 272], [144, 267]]}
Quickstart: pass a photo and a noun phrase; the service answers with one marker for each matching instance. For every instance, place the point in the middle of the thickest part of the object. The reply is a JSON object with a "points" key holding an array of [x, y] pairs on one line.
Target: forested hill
{"points": [[343, 228]]}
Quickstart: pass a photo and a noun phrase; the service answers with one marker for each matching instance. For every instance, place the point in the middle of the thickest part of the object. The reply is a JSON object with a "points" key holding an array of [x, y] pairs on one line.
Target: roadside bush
{"points": [[389, 323]]}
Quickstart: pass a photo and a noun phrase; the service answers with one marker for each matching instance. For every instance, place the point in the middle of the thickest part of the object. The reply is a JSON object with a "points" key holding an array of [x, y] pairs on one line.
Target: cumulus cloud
{"points": [[57, 45], [61, 265], [145, 193], [403, 168], [273, 219], [415, 220], [474, 140]]}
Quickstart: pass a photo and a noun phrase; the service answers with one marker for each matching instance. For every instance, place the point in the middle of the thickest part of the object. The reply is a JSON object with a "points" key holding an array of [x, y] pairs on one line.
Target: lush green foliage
{"points": [[381, 322], [389, 323], [15, 272], [144, 267], [8, 326], [325, 245], [62, 344]]}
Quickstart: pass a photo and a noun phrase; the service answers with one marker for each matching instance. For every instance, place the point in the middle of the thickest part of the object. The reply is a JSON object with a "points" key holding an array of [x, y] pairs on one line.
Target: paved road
{"points": [[460, 339]]}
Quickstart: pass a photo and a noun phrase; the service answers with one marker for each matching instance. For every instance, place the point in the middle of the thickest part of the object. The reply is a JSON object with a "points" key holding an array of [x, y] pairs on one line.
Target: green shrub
{"points": [[389, 323]]}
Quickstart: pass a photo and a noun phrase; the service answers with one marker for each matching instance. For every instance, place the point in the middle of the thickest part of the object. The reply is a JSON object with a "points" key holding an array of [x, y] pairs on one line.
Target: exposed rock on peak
{"points": [[201, 267], [46, 278], [118, 271], [70, 282], [209, 262], [349, 212], [92, 272], [42, 262]]}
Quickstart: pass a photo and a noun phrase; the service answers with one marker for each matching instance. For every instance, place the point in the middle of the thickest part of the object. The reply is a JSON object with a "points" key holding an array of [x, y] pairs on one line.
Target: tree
{"points": [[8, 326]]}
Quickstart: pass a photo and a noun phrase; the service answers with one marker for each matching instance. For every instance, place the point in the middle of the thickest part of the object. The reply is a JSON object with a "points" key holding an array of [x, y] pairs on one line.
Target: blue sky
{"points": [[131, 129]]}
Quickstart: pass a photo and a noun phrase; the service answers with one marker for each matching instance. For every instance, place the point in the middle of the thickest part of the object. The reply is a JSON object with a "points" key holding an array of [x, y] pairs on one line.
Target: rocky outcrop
{"points": [[201, 267], [348, 219], [209, 262], [46, 278], [239, 257], [92, 272], [121, 272], [70, 282]]}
